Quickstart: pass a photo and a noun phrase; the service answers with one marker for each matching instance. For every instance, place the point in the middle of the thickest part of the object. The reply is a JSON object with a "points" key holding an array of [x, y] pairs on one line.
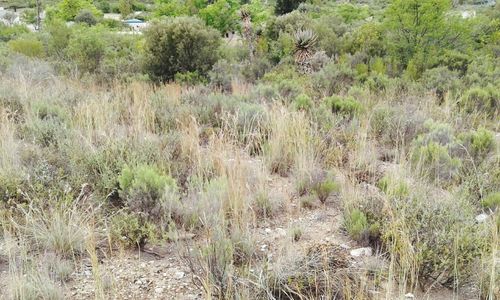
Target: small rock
{"points": [[409, 296], [268, 230], [179, 275], [345, 246], [281, 231], [159, 290], [367, 251], [481, 218]]}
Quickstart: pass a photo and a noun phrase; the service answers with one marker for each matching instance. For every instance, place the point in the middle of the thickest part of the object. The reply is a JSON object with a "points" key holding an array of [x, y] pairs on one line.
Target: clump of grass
{"points": [[324, 189], [296, 232], [307, 201], [356, 224], [347, 106], [491, 201], [62, 230], [289, 137]]}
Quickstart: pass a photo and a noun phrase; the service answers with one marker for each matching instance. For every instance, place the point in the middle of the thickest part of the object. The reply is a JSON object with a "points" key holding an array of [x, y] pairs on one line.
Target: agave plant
{"points": [[304, 44]]}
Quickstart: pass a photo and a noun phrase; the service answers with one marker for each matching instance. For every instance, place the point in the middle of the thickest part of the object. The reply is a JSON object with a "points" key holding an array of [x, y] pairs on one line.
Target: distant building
{"points": [[136, 24]]}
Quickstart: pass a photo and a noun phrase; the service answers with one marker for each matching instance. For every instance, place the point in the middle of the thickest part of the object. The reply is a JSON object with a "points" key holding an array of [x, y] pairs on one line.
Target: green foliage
{"points": [[285, 6], [333, 79], [478, 143], [180, 45], [29, 16], [434, 160], [129, 230], [348, 106], [356, 223], [222, 15], [125, 7], [8, 33], [485, 100], [441, 80], [87, 17], [87, 48], [325, 188], [58, 38], [416, 26], [491, 201], [393, 187], [303, 102], [351, 12], [28, 46], [67, 10], [144, 179], [189, 78]]}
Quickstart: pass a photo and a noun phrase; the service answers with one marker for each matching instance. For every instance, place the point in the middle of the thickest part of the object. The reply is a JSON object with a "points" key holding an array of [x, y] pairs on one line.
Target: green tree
{"points": [[222, 15], [125, 7], [285, 6], [180, 45], [69, 9], [86, 47], [416, 26]]}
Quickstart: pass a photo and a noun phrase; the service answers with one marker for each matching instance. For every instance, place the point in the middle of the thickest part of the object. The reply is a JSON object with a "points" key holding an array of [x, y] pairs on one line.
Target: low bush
{"points": [[324, 188], [491, 201], [346, 106], [148, 191], [27, 46], [356, 223], [302, 102], [128, 229], [478, 99]]}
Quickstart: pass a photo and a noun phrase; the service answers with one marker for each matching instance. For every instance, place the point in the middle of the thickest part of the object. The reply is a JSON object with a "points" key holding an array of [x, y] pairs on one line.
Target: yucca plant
{"points": [[246, 19], [305, 40]]}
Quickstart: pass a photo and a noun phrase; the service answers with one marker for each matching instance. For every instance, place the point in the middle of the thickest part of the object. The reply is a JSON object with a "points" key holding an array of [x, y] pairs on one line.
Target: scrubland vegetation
{"points": [[382, 113]]}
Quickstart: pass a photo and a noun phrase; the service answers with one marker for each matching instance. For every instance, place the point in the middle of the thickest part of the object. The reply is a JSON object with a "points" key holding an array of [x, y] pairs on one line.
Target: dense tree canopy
{"points": [[179, 45]]}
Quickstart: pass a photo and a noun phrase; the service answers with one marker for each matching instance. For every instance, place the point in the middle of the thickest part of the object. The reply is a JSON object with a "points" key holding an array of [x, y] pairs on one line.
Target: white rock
{"points": [[409, 296], [367, 251], [179, 275], [481, 218], [281, 231], [268, 230], [159, 290]]}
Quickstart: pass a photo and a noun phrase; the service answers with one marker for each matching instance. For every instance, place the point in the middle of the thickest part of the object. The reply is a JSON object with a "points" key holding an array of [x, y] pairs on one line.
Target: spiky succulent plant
{"points": [[304, 44]]}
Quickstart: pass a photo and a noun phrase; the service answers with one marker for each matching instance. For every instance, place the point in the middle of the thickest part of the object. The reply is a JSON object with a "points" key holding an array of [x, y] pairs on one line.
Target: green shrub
{"points": [[285, 6], [442, 232], [478, 143], [491, 201], [325, 188], [307, 201], [189, 78], [348, 106], [356, 224], [393, 187], [8, 33], [167, 53], [455, 61], [148, 192], [67, 10], [479, 99], [302, 102], [441, 80], [333, 79], [27, 46], [87, 48], [129, 230], [221, 15], [87, 17], [434, 161]]}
